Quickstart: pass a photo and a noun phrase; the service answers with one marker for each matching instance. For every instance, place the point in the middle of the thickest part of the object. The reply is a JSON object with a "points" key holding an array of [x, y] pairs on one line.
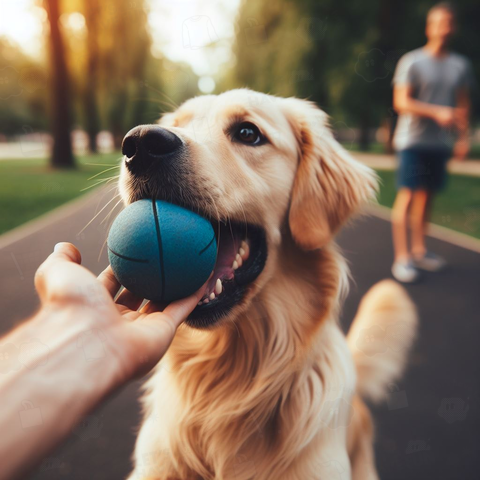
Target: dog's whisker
{"points": [[103, 208], [112, 210], [107, 170], [101, 249], [101, 164], [160, 102], [99, 182], [173, 104], [108, 228], [106, 192]]}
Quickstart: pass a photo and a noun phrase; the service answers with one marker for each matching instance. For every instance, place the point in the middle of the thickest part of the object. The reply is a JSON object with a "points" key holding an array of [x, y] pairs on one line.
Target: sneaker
{"points": [[430, 262], [405, 272]]}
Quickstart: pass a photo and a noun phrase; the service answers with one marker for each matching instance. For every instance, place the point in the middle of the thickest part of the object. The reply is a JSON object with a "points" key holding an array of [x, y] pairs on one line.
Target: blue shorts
{"points": [[422, 168]]}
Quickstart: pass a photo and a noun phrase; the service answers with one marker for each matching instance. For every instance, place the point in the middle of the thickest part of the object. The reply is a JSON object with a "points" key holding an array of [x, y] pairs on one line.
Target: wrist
{"points": [[67, 341], [59, 370]]}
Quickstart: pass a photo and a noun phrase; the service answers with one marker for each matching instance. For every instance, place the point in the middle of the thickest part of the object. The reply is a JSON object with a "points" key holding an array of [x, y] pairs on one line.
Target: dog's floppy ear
{"points": [[329, 185]]}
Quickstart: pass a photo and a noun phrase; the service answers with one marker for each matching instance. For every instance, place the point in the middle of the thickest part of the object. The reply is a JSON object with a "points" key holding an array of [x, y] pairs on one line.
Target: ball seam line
{"points": [[124, 257], [206, 248], [160, 248]]}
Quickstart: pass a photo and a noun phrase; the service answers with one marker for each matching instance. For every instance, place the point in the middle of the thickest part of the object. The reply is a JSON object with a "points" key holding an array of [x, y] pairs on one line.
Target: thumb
{"points": [[63, 253], [66, 251]]}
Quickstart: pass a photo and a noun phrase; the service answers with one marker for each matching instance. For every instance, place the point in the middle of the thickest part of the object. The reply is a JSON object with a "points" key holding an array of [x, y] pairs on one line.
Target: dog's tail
{"points": [[380, 338]]}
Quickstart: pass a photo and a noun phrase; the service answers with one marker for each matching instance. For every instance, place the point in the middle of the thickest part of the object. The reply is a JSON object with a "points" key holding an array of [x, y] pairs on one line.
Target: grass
{"points": [[29, 188], [457, 207], [376, 147]]}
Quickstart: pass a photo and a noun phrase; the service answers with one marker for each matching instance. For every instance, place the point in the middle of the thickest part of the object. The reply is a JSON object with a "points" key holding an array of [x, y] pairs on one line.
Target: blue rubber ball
{"points": [[160, 251]]}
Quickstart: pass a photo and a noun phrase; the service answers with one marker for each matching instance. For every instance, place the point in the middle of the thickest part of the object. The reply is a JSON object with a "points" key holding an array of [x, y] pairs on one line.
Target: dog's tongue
{"points": [[228, 246], [233, 250]]}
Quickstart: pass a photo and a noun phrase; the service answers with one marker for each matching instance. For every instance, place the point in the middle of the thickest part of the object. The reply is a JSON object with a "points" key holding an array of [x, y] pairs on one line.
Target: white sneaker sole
{"points": [[403, 279]]}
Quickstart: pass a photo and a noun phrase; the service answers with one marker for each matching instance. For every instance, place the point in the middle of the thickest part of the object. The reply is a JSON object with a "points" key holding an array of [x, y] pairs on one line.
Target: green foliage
{"points": [[456, 207], [23, 87], [113, 59], [341, 55]]}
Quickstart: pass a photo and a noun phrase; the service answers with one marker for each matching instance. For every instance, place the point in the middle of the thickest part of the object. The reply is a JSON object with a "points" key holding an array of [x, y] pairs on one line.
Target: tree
{"points": [[62, 155], [92, 121], [341, 55], [124, 62], [23, 83]]}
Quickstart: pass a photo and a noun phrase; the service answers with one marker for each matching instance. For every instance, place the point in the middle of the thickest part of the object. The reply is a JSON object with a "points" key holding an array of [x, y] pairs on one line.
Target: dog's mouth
{"points": [[241, 257]]}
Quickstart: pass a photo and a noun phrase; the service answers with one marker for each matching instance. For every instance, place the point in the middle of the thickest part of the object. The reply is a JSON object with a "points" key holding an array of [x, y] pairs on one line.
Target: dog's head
{"points": [[259, 167]]}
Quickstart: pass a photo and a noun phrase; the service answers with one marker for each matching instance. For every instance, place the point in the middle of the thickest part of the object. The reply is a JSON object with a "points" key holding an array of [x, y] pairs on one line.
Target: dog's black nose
{"points": [[146, 144]]}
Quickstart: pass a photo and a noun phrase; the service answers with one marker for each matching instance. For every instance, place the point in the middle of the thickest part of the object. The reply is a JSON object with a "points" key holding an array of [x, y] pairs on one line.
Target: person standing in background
{"points": [[432, 97]]}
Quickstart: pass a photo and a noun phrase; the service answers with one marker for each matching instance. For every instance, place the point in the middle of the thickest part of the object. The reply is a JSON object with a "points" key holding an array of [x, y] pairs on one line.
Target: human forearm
{"points": [[77, 349], [415, 107], [464, 107], [53, 379], [462, 146], [405, 103]]}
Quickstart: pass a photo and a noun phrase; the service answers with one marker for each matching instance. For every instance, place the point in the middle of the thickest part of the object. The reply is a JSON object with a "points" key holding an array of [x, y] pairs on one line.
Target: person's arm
{"points": [[403, 102], [78, 348], [462, 145]]}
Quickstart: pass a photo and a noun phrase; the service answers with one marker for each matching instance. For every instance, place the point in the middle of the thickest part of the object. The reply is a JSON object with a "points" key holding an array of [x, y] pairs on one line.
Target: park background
{"points": [[76, 75]]}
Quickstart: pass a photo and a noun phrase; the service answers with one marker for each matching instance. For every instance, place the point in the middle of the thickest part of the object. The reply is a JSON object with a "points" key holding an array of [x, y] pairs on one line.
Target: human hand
{"points": [[445, 116], [461, 149], [137, 338], [76, 350]]}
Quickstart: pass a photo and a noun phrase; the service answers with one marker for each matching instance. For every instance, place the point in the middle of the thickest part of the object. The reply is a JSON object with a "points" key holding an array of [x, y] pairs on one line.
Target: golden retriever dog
{"points": [[260, 382]]}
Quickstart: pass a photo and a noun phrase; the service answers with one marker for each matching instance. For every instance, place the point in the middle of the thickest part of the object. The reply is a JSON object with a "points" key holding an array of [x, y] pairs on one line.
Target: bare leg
{"points": [[428, 213], [400, 224], [418, 220]]}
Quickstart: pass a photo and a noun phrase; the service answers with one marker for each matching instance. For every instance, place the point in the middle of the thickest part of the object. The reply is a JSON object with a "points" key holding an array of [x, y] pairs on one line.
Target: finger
{"points": [[152, 307], [108, 280], [129, 300], [62, 252], [179, 310], [66, 251]]}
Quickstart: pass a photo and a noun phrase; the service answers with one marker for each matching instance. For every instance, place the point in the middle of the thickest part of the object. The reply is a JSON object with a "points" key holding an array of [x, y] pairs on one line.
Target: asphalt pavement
{"points": [[429, 428]]}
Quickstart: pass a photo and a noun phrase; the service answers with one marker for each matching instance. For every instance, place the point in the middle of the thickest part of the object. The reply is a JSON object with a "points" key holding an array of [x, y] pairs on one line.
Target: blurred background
{"points": [[76, 75]]}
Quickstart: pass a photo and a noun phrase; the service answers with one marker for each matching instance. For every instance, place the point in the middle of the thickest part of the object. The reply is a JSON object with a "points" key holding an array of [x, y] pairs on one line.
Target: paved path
{"points": [[428, 431], [431, 430], [389, 162]]}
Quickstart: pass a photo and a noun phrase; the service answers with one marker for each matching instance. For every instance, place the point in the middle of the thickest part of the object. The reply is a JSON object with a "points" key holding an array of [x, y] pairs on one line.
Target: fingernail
{"points": [[57, 247]]}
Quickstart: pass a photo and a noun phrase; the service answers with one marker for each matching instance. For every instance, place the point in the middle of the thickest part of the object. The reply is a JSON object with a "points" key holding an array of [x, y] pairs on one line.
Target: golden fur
{"points": [[271, 391]]}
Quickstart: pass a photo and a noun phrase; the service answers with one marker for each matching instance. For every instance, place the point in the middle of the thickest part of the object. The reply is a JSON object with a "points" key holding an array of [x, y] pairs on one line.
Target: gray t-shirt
{"points": [[433, 80]]}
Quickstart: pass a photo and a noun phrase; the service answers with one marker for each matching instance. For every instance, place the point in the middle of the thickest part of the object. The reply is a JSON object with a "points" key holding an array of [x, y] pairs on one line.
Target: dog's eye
{"points": [[249, 134]]}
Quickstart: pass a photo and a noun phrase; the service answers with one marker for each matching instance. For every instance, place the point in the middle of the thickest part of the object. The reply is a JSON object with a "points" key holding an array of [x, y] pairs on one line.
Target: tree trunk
{"points": [[390, 124], [62, 155], [91, 112]]}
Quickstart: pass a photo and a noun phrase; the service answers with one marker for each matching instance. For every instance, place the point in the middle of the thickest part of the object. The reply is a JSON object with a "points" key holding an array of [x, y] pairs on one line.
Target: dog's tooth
{"points": [[218, 287], [238, 259], [246, 250], [206, 300], [199, 303], [212, 296], [235, 265], [241, 252]]}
